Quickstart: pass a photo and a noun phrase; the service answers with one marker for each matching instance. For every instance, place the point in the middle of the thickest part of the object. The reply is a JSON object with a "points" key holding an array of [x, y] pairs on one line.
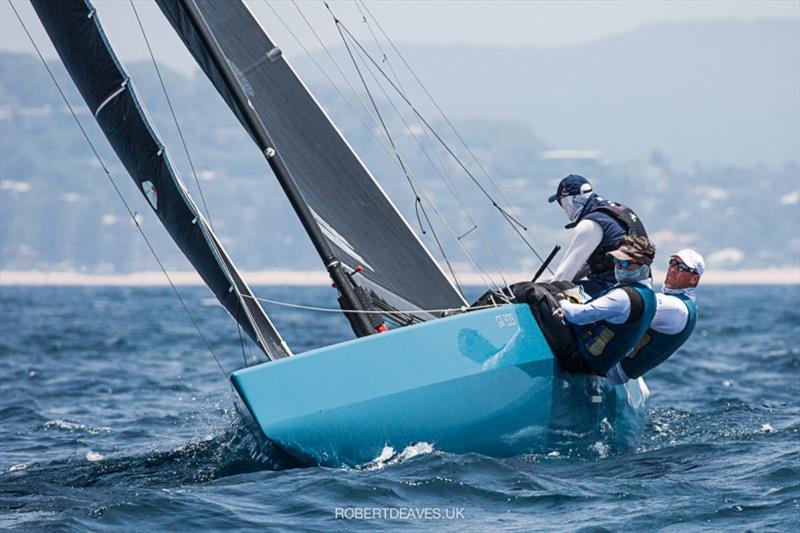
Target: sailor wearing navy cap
{"points": [[599, 225], [608, 327], [673, 324]]}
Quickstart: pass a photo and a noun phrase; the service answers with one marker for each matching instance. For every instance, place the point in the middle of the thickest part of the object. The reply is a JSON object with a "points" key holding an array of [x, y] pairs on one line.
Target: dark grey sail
{"points": [[361, 225], [105, 86]]}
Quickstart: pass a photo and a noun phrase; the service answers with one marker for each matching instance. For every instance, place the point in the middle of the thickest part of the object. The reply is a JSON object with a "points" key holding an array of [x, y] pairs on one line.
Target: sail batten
{"points": [[357, 219], [104, 84]]}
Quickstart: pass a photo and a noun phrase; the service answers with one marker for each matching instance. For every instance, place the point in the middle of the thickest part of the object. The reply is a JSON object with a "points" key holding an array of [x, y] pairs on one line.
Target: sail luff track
{"points": [[358, 220], [106, 87]]}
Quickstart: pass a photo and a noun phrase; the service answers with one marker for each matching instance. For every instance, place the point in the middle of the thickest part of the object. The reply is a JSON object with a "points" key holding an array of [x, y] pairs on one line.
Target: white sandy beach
{"points": [[782, 276]]}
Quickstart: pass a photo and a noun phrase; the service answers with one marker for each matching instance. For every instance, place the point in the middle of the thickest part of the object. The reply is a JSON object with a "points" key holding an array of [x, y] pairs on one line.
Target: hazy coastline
{"points": [[779, 276]]}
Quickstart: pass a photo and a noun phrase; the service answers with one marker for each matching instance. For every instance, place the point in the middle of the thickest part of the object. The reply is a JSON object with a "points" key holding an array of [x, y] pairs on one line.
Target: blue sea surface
{"points": [[114, 416]]}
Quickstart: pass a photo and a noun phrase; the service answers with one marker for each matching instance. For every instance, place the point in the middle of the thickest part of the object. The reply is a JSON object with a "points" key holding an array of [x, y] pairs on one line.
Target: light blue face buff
{"points": [[625, 277], [567, 203]]}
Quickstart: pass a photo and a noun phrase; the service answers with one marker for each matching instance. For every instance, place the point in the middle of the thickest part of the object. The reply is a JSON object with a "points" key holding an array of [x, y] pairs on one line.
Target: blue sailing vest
{"points": [[603, 344], [654, 348], [617, 221]]}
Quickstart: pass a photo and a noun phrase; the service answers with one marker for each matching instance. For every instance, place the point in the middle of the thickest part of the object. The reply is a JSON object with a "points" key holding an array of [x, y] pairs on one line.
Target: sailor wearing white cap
{"points": [[674, 322]]}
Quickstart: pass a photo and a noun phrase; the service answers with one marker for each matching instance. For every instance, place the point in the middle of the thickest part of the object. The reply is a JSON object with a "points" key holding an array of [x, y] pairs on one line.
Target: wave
{"points": [[231, 453]]}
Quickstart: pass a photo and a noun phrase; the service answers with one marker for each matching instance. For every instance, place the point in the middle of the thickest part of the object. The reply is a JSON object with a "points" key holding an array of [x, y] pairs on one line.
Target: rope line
{"points": [[131, 213], [461, 309]]}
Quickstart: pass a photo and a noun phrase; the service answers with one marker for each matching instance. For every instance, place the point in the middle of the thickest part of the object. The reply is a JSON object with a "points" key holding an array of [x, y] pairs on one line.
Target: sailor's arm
{"points": [[671, 315], [613, 307], [587, 236]]}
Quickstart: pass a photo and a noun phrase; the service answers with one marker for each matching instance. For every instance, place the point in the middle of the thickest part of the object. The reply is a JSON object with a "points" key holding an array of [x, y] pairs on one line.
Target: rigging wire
{"points": [[335, 64], [409, 176], [484, 275], [447, 120], [513, 221], [445, 177], [417, 199], [381, 142], [336, 87], [172, 111], [130, 211]]}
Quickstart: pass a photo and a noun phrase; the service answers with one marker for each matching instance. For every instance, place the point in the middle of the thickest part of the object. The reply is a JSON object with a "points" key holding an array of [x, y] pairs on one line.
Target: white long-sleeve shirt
{"points": [[586, 237], [614, 307], [671, 315]]}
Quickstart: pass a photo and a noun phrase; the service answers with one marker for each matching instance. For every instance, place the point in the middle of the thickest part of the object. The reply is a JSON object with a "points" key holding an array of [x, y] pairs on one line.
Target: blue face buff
{"points": [[626, 277], [573, 205]]}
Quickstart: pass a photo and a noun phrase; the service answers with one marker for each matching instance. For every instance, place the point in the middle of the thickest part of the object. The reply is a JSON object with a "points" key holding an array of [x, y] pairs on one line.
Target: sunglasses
{"points": [[683, 267], [624, 263]]}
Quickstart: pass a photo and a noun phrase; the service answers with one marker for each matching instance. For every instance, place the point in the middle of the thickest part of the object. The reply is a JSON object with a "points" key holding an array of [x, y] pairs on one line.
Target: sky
{"points": [[477, 23]]}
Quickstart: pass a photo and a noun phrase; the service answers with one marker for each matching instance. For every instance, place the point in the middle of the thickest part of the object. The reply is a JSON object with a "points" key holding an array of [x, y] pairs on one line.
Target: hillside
{"points": [[59, 212]]}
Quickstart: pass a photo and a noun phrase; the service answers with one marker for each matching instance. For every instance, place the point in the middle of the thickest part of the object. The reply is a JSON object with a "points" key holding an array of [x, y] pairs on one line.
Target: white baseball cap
{"points": [[692, 259]]}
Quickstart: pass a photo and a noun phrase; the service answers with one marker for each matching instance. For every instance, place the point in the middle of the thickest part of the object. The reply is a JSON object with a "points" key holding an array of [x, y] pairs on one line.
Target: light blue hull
{"points": [[483, 382]]}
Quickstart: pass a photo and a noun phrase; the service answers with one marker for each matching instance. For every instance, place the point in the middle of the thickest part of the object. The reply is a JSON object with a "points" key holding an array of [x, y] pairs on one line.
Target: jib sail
{"points": [[75, 30]]}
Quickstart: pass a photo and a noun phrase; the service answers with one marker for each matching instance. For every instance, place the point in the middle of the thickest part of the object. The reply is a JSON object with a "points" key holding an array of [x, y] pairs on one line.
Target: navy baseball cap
{"points": [[570, 186]]}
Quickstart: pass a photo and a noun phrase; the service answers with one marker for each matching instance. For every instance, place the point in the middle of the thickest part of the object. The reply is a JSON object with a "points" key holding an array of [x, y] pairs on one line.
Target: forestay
{"points": [[361, 224], [75, 30]]}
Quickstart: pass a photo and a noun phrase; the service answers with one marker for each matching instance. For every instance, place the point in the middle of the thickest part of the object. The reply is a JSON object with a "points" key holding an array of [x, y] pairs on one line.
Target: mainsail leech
{"points": [[105, 86], [333, 181]]}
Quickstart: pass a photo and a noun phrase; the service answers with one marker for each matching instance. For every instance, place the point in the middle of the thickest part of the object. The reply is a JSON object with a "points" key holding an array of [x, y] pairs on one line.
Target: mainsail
{"points": [[75, 30], [359, 222]]}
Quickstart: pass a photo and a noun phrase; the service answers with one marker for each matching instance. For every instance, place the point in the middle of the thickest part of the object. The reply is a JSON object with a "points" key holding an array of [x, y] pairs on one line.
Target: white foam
{"points": [[94, 456], [73, 426], [420, 448], [18, 467], [767, 428], [388, 456], [601, 449], [63, 424]]}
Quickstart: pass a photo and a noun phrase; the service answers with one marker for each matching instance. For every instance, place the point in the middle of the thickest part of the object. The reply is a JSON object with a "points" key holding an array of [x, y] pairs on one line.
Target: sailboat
{"points": [[459, 379]]}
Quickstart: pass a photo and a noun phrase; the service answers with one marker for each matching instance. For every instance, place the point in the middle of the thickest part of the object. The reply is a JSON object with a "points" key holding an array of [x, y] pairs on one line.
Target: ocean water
{"points": [[113, 416]]}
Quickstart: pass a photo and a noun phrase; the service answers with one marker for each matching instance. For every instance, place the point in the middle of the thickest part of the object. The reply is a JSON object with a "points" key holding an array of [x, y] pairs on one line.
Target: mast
{"points": [[361, 324]]}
